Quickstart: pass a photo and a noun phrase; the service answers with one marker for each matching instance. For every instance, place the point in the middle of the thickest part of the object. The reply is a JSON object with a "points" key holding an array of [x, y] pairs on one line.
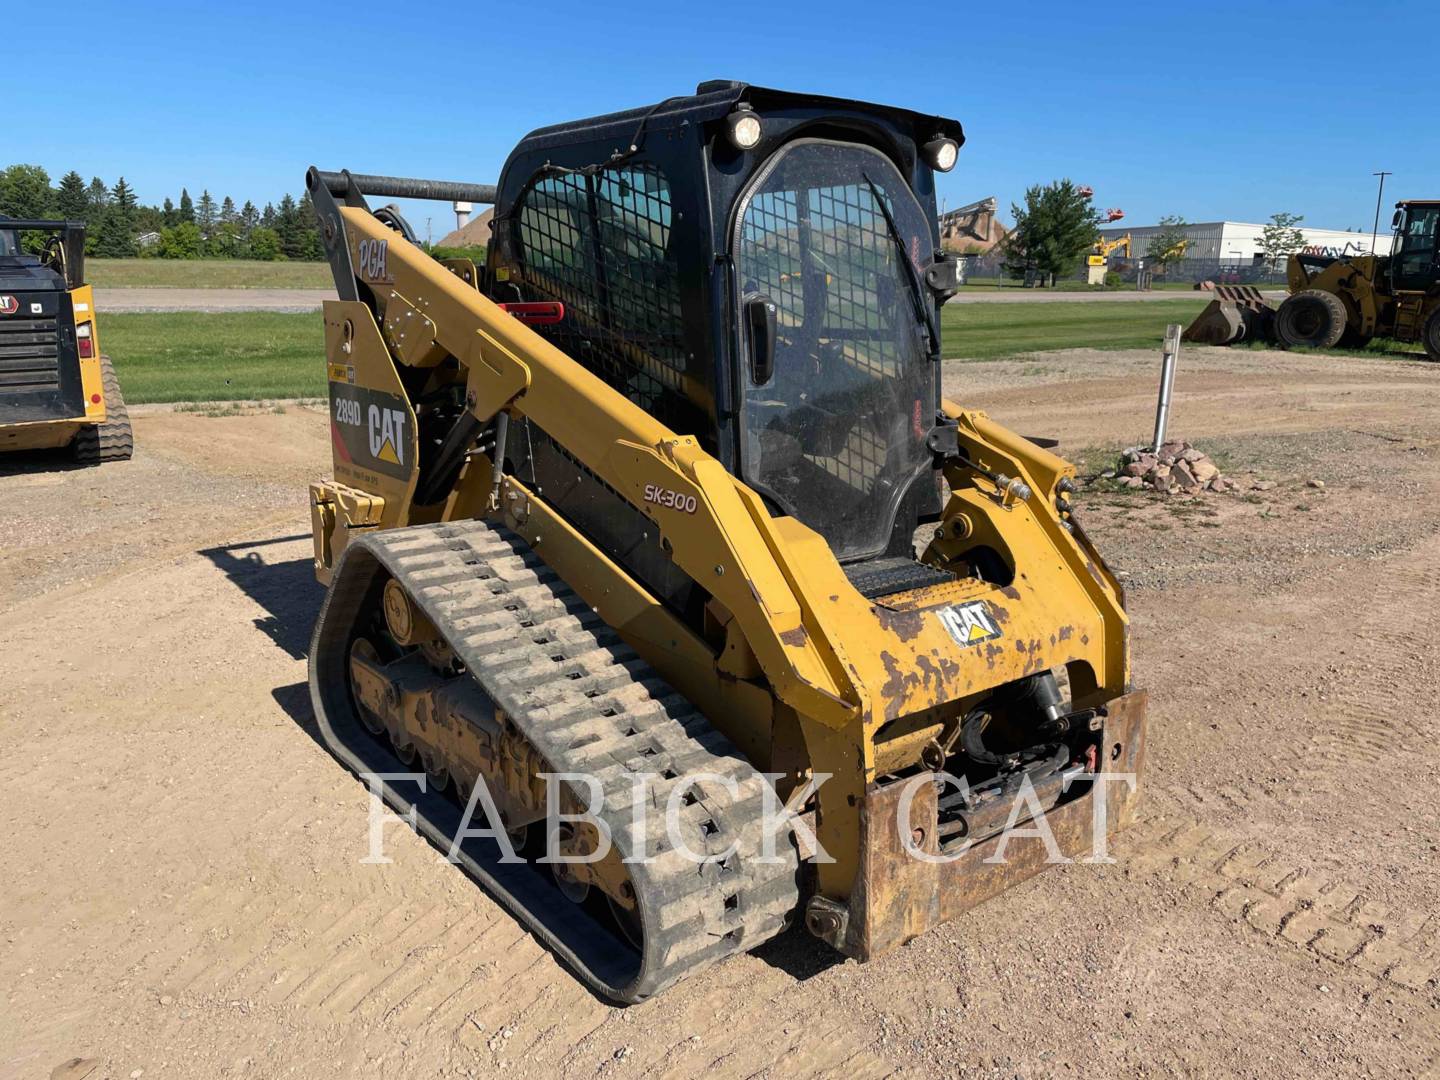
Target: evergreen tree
{"points": [[99, 197], [1056, 226], [205, 215], [117, 230], [72, 202], [310, 246], [249, 217], [267, 219], [187, 207], [228, 214], [292, 233], [172, 216], [99, 194]]}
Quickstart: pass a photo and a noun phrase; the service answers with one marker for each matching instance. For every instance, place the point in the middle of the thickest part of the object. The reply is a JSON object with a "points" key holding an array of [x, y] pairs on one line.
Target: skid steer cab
{"points": [[662, 496]]}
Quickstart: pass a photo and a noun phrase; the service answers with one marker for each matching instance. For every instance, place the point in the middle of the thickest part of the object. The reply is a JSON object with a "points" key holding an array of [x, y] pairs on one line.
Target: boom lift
{"points": [[637, 501]]}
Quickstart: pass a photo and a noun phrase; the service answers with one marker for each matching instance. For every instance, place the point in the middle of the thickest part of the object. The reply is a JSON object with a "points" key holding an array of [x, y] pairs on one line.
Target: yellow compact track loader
{"points": [[666, 594], [57, 391]]}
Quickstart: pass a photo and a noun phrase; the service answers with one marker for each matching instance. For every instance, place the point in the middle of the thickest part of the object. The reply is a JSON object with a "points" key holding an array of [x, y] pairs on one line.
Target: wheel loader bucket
{"points": [[1238, 313]]}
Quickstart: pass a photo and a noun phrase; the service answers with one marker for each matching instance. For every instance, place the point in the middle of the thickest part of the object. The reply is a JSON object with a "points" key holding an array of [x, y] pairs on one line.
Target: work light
{"points": [[743, 128], [941, 153]]}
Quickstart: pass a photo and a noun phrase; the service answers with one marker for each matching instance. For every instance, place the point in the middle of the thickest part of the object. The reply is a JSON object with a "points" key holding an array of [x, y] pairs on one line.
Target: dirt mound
{"points": [[475, 232]]}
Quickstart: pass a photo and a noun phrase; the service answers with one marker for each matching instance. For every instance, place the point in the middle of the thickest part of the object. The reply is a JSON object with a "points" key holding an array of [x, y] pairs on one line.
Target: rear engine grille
{"points": [[29, 356]]}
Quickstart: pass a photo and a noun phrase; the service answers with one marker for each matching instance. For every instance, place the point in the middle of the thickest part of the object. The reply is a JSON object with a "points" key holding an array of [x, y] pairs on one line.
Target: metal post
{"points": [[1167, 381], [1375, 234]]}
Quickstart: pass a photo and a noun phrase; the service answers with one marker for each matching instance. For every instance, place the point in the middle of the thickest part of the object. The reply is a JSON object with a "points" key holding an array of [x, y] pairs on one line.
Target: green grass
{"points": [[206, 274], [239, 356], [245, 356], [986, 331]]}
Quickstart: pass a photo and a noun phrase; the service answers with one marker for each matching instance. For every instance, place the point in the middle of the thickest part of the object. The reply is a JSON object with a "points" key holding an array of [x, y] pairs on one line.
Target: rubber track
{"points": [[589, 704], [112, 440]]}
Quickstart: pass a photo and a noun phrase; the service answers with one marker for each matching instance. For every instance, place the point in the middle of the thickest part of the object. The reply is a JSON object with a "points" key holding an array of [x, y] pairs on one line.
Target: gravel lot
{"points": [[184, 895]]}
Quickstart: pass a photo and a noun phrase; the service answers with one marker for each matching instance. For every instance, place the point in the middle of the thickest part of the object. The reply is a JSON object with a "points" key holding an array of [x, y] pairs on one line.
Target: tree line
{"points": [[115, 221]]}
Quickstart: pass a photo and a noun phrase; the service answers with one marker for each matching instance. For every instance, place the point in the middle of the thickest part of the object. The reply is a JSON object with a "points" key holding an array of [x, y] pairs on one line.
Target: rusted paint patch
{"points": [[1010, 591], [1032, 650], [903, 624], [896, 687], [796, 638]]}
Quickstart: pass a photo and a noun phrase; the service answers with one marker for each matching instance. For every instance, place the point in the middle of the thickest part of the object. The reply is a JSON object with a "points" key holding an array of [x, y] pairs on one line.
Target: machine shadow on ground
{"points": [[21, 462], [286, 590]]}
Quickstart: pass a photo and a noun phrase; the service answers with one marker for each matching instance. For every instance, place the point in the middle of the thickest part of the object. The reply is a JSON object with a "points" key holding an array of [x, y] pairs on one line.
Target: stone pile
{"points": [[1174, 467]]}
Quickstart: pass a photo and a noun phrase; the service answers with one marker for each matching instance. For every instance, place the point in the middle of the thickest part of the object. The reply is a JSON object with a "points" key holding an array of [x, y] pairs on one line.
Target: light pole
{"points": [[1375, 234]]}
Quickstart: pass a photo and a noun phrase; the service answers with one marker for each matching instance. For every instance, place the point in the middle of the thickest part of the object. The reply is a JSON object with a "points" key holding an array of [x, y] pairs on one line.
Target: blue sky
{"points": [[1208, 110]]}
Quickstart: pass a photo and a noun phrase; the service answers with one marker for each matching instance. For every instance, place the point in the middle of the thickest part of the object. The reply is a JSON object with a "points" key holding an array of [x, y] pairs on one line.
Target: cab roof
{"points": [[714, 99]]}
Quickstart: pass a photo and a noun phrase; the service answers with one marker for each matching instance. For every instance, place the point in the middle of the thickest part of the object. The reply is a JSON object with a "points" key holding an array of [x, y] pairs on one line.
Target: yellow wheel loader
{"points": [[1343, 302], [57, 390], [666, 594]]}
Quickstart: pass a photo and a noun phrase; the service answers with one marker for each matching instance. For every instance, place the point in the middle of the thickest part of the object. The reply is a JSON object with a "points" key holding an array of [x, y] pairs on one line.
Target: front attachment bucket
{"points": [[1238, 313]]}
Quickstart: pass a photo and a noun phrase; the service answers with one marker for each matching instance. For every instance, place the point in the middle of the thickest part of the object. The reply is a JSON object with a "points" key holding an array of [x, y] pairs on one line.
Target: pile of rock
{"points": [[1172, 467]]}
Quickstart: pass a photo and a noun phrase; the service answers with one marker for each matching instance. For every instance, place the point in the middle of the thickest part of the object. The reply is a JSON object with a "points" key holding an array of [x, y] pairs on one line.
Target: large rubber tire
{"points": [[1431, 336], [1352, 338], [112, 440], [1312, 319]]}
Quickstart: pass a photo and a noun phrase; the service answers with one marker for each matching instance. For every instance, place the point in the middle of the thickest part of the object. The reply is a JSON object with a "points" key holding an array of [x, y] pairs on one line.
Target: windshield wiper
{"points": [[922, 310]]}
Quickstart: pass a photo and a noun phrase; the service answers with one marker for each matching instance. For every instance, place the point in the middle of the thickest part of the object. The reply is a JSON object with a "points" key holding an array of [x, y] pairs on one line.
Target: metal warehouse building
{"points": [[1239, 241]]}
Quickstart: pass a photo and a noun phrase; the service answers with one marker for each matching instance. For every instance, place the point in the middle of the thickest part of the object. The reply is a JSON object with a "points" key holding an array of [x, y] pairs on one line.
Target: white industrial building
{"points": [[1239, 241]]}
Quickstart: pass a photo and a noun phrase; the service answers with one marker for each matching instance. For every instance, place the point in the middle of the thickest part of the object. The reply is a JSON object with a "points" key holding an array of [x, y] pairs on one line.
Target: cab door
{"points": [[1413, 264]]}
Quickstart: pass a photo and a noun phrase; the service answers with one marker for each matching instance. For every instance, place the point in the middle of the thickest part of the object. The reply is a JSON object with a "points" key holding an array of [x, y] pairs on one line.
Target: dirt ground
{"points": [[183, 890]]}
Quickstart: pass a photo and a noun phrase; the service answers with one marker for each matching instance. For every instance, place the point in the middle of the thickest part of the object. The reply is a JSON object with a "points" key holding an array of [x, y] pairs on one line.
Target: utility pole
{"points": [[1375, 234]]}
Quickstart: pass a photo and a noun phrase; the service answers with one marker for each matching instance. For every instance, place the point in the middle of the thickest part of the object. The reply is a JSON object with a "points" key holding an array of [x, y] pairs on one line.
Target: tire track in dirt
{"points": [[468, 975], [1320, 913]]}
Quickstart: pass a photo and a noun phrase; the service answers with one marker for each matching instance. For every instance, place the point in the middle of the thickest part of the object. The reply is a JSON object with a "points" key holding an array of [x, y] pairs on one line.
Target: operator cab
{"points": [[758, 269], [1415, 258]]}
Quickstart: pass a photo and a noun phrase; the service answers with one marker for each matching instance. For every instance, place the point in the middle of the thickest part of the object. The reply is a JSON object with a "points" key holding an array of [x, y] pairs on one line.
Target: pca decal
{"points": [[374, 258], [970, 623]]}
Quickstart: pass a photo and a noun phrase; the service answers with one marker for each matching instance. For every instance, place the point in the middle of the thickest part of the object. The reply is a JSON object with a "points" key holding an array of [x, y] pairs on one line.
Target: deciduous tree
{"points": [[1168, 245], [25, 192], [265, 244], [1281, 237], [183, 241]]}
